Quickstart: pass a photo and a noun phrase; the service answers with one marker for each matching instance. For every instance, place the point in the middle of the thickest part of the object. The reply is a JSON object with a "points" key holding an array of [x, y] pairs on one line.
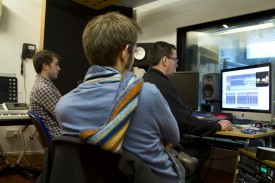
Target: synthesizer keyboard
{"points": [[18, 116], [13, 111]]}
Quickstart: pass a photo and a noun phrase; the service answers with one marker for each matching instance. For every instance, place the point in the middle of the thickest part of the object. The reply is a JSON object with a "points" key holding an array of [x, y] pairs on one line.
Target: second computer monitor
{"points": [[187, 84]]}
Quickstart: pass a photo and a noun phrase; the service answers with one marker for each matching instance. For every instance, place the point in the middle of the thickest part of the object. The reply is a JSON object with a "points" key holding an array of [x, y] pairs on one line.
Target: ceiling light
{"points": [[225, 26], [244, 29]]}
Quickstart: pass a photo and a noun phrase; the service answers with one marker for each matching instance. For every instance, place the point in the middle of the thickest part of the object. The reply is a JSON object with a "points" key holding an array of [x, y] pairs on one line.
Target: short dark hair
{"points": [[43, 57], [105, 36], [159, 50]]}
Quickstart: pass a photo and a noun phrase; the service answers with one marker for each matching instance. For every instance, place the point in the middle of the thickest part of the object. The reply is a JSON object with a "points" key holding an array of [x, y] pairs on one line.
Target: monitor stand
{"points": [[211, 106]]}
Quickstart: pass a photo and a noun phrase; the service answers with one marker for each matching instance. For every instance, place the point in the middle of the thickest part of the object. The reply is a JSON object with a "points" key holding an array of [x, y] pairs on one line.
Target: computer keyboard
{"points": [[241, 121], [212, 117]]}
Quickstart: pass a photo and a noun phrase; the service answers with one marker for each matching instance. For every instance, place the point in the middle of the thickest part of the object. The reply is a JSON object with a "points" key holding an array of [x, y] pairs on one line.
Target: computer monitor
{"points": [[187, 84], [246, 92]]}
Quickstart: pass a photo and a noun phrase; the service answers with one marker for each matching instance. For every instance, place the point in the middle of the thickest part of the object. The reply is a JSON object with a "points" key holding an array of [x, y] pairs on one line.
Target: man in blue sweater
{"points": [[109, 42]]}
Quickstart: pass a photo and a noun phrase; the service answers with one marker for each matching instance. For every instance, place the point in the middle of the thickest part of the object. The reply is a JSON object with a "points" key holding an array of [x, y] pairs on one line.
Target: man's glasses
{"points": [[175, 59]]}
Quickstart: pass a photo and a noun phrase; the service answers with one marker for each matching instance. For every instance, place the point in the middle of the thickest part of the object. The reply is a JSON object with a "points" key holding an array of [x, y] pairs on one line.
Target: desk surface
{"points": [[236, 133]]}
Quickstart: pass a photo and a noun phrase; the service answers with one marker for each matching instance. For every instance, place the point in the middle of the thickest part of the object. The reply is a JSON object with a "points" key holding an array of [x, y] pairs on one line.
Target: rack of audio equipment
{"points": [[249, 168]]}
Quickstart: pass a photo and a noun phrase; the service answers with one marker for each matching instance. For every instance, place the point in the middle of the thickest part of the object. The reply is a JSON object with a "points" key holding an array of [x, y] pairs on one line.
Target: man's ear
{"points": [[164, 61], [125, 53], [45, 67]]}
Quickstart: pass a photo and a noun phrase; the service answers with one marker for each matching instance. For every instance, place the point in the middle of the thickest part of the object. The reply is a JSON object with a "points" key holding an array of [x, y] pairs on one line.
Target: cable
{"points": [[209, 167], [23, 128], [25, 89], [3, 155], [23, 136], [22, 66]]}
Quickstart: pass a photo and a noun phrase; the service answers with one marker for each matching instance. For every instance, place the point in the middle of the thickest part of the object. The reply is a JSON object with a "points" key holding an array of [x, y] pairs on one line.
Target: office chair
{"points": [[71, 160], [44, 138], [40, 127]]}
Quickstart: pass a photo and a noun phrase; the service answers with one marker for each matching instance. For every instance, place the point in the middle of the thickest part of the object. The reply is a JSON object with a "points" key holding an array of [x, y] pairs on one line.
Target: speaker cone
{"points": [[208, 92]]}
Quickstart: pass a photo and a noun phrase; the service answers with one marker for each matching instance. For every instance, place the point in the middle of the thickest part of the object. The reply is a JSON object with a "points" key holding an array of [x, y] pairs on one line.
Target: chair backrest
{"points": [[44, 136], [71, 160], [75, 161]]}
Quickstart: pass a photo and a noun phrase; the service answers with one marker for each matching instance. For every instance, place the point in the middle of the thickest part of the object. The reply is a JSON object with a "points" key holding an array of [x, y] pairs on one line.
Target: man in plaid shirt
{"points": [[44, 95]]}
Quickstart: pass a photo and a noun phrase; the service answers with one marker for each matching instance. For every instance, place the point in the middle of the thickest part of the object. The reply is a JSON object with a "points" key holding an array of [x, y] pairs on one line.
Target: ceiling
{"points": [[133, 3], [99, 4]]}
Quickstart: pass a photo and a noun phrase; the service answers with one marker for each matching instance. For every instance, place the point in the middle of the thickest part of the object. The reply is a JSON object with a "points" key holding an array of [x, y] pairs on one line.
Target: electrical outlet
{"points": [[10, 133]]}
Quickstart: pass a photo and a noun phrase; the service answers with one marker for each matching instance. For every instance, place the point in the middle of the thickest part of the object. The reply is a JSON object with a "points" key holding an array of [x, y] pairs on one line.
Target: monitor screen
{"points": [[247, 89], [187, 84]]}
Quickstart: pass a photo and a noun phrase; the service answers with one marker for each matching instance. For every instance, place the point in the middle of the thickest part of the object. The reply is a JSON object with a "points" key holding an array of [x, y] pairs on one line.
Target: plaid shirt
{"points": [[43, 99]]}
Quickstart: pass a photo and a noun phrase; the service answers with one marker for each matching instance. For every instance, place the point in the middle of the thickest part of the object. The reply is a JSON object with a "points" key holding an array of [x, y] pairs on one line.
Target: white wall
{"points": [[161, 18], [20, 23], [21, 19]]}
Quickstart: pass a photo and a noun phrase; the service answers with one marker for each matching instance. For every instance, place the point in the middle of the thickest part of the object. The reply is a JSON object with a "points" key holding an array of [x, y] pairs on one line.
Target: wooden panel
{"points": [[96, 4]]}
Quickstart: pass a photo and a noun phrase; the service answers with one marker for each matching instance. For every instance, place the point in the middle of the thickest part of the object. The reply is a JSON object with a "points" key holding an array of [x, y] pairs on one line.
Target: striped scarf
{"points": [[110, 136]]}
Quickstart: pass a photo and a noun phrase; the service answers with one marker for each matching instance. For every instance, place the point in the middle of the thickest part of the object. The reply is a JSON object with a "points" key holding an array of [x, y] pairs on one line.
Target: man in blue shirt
{"points": [[109, 42]]}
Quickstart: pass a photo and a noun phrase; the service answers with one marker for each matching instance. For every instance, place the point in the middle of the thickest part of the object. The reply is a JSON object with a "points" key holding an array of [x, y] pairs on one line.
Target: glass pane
{"points": [[212, 49]]}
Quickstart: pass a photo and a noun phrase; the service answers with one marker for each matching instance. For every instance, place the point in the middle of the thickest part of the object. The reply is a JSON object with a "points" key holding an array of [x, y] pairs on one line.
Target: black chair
{"points": [[71, 160]]}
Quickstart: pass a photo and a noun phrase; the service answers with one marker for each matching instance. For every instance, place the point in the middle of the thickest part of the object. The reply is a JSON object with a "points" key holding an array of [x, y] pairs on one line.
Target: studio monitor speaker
{"points": [[140, 54], [211, 87]]}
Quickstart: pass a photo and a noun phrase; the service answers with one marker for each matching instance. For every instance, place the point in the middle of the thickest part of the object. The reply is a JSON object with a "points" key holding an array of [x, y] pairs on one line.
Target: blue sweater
{"points": [[89, 105]]}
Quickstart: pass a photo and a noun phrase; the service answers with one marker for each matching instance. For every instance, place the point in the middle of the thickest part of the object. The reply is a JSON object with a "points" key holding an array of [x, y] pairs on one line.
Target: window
{"points": [[237, 41], [234, 42], [260, 50]]}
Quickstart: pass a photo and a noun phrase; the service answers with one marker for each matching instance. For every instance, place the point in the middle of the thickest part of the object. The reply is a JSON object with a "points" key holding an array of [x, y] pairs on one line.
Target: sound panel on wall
{"points": [[141, 55], [64, 25], [211, 90]]}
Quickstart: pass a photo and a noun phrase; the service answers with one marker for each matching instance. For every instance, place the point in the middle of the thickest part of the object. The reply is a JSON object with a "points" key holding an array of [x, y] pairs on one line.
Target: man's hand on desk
{"points": [[226, 125]]}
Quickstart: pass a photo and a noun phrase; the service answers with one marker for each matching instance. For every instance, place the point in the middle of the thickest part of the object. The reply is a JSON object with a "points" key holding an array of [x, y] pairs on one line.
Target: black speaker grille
{"points": [[8, 89], [211, 87], [208, 91]]}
